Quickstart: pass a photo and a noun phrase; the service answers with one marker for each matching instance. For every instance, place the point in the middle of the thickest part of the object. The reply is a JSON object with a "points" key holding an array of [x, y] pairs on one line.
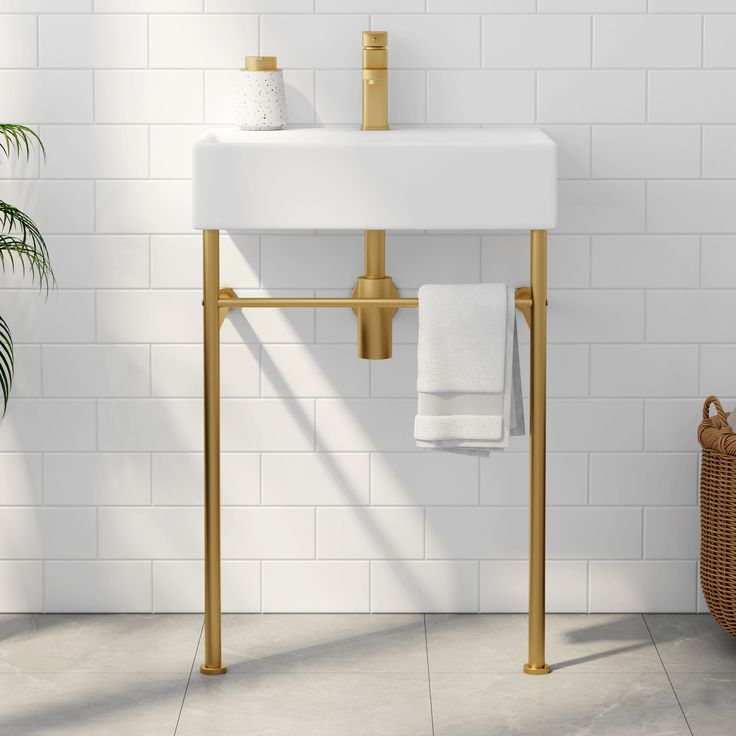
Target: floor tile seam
{"points": [[429, 672], [703, 673], [189, 679], [98, 673], [674, 692], [515, 672], [234, 672]]}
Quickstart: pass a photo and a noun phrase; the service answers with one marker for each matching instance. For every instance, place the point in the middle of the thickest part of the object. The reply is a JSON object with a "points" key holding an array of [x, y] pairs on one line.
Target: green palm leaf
{"points": [[6, 362], [21, 245], [19, 138]]}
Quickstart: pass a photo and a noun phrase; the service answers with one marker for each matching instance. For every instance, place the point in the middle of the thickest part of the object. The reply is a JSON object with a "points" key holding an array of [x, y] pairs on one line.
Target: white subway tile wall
{"points": [[328, 506]]}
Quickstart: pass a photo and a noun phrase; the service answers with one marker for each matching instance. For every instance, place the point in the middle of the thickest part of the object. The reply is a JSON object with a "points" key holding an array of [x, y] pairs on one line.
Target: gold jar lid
{"points": [[260, 64]]}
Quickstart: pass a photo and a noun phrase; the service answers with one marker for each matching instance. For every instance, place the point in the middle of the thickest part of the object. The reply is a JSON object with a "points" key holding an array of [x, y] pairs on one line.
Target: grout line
{"points": [[429, 676], [482, 25], [370, 563], [370, 478], [189, 679], [500, 69], [661, 661], [643, 532], [592, 41]]}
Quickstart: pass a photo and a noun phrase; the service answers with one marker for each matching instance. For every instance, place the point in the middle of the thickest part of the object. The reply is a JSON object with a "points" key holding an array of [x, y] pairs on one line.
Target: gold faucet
{"points": [[375, 323], [375, 80]]}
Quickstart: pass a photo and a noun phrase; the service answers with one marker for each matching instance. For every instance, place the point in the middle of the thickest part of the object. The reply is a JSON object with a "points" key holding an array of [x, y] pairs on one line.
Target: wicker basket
{"points": [[718, 515]]}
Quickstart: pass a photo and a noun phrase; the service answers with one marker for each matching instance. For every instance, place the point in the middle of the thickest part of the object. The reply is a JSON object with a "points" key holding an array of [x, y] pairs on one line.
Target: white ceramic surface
{"points": [[403, 179]]}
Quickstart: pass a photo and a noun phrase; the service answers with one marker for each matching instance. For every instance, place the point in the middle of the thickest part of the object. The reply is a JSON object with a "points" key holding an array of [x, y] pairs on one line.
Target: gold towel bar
{"points": [[299, 301], [229, 300]]}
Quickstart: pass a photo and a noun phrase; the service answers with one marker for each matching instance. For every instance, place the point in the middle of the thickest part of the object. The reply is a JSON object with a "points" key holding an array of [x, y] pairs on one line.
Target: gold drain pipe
{"points": [[375, 324]]}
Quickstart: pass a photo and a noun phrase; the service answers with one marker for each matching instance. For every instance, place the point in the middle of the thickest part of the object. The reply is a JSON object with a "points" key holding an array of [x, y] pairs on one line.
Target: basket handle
{"points": [[719, 410]]}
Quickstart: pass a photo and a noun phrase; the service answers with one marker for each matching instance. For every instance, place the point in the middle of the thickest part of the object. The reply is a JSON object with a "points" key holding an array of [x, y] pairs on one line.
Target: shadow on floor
{"points": [[604, 632], [89, 707]]}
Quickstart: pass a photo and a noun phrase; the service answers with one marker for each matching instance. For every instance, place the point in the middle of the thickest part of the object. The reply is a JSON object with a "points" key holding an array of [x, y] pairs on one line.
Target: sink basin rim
{"points": [[342, 178]]}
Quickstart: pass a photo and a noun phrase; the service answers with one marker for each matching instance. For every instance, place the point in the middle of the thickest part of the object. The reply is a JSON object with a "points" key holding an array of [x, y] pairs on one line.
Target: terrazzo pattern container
{"points": [[261, 100]]}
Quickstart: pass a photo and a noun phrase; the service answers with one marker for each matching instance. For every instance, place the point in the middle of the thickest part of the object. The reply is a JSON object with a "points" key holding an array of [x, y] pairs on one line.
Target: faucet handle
{"points": [[375, 39]]}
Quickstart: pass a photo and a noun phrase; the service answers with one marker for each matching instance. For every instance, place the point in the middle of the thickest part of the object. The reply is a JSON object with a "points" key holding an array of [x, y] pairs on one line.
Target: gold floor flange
{"points": [[212, 670], [532, 669]]}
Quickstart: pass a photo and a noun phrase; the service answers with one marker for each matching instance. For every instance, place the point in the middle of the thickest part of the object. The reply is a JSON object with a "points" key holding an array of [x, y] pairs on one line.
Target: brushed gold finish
{"points": [[212, 633], [260, 64], [532, 302], [537, 454], [318, 301], [226, 292], [375, 324], [374, 255], [375, 39], [524, 303], [531, 670], [375, 80], [278, 302]]}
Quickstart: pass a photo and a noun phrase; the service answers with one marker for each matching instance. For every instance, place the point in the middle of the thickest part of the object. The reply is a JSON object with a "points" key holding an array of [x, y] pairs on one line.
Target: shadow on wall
{"points": [[305, 424], [416, 590], [420, 593]]}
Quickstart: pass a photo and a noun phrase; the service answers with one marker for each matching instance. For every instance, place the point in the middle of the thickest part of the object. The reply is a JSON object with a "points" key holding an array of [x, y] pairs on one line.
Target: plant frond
{"points": [[20, 239], [19, 138], [6, 363]]}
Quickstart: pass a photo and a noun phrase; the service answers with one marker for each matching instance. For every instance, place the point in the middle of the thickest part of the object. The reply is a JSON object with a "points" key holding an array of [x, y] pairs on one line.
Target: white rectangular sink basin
{"points": [[350, 179]]}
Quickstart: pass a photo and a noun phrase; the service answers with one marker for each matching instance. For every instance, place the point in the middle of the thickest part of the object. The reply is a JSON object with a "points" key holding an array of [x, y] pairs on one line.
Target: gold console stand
{"points": [[532, 302]]}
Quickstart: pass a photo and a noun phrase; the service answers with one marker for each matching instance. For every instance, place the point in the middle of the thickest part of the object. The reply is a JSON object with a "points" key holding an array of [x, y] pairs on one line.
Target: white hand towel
{"points": [[468, 379]]}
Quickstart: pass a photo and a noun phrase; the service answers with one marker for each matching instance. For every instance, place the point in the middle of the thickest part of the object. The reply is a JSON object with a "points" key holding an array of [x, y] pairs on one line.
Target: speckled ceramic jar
{"points": [[261, 100]]}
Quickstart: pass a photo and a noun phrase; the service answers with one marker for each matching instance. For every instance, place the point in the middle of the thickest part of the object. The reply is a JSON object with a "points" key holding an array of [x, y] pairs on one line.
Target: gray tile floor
{"points": [[359, 675]]}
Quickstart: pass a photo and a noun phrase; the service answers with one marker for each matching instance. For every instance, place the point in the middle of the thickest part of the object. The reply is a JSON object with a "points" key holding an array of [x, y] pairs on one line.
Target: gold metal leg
{"points": [[212, 636], [537, 455], [531, 301]]}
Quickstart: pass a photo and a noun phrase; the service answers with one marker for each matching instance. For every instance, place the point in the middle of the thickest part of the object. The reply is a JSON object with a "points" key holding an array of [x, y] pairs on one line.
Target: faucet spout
{"points": [[375, 80]]}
